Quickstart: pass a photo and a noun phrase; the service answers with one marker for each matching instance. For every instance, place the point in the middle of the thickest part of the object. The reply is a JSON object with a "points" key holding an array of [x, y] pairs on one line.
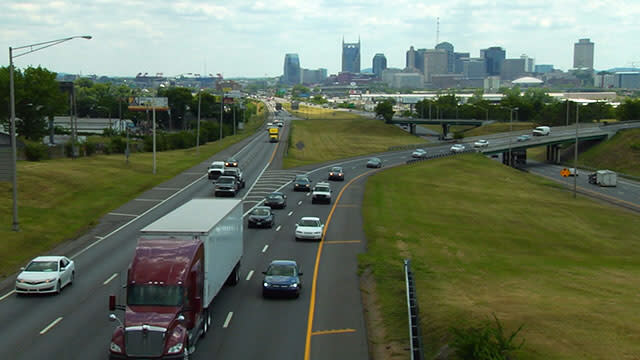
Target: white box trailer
{"points": [[218, 224], [606, 178]]}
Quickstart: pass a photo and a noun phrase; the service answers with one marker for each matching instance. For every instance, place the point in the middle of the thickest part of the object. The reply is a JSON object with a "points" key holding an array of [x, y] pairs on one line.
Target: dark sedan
{"points": [[276, 200], [282, 278], [261, 217], [302, 183], [336, 173], [231, 163], [374, 163]]}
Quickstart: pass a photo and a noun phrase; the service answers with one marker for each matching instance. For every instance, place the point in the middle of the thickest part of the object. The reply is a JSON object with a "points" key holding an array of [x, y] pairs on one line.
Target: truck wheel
{"points": [[185, 351], [234, 277], [206, 324]]}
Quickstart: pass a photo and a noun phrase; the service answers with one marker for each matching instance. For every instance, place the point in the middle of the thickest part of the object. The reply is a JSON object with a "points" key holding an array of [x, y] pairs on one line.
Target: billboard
{"points": [[148, 103]]}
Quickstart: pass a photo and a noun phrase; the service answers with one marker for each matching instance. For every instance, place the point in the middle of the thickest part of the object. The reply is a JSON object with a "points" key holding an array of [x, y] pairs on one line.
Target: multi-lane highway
{"points": [[326, 322]]}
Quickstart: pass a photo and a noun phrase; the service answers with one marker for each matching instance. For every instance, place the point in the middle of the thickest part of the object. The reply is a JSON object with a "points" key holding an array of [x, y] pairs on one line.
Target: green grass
{"points": [[484, 238], [620, 153], [59, 199], [316, 141], [317, 113]]}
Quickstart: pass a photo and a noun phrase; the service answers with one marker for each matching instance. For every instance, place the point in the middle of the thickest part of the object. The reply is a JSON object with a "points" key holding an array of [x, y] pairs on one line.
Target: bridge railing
{"points": [[440, 155], [415, 336]]}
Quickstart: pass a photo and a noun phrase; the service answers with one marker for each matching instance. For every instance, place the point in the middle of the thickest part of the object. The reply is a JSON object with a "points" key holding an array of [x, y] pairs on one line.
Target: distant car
{"points": [[481, 144], [231, 162], [282, 277], [261, 216], [374, 163], [523, 137], [269, 124], [573, 172], [46, 274], [280, 124], [309, 228], [321, 193], [226, 185], [237, 173], [336, 173], [215, 170], [457, 148], [418, 153], [302, 183], [541, 131], [276, 200]]}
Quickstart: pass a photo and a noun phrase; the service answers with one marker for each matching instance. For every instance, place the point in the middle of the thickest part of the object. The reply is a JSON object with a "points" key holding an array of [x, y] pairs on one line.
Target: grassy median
{"points": [[486, 239], [316, 141], [59, 199], [317, 113]]}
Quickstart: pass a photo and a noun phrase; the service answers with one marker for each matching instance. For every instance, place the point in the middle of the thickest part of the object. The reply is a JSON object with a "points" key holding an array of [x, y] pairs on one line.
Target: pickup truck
{"points": [[237, 173]]}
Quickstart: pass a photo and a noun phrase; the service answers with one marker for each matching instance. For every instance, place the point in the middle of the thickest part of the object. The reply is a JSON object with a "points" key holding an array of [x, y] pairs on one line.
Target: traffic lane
{"points": [[92, 268], [339, 330], [625, 190]]}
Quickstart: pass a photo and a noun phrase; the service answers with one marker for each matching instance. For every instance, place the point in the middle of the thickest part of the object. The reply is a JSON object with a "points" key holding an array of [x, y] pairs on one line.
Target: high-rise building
{"points": [[291, 69], [543, 69], [583, 54], [313, 76], [420, 60], [411, 58], [379, 64], [448, 47], [494, 57], [529, 63], [458, 61], [435, 62], [351, 57], [474, 68], [512, 69]]}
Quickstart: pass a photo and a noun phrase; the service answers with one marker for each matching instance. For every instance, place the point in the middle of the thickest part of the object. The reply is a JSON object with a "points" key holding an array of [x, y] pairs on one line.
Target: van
{"points": [[542, 131]]}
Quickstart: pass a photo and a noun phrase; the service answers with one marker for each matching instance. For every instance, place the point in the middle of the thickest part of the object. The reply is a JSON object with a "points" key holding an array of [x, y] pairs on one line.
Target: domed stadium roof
{"points": [[527, 80]]}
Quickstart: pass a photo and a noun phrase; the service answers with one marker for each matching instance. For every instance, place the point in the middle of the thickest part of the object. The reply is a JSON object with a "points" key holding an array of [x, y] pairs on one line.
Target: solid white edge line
{"points": [[7, 295], [152, 200], [264, 249], [154, 207], [110, 278], [278, 228], [54, 323], [121, 214], [249, 275], [228, 319]]}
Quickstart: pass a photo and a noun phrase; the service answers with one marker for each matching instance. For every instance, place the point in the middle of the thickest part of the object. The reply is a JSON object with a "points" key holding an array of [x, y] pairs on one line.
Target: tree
{"points": [[628, 110], [37, 97], [385, 110], [179, 98]]}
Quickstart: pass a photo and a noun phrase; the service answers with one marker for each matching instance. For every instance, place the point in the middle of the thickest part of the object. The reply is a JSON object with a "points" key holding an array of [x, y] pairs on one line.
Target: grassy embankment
{"points": [[318, 113], [330, 137], [506, 243], [620, 153], [59, 199]]}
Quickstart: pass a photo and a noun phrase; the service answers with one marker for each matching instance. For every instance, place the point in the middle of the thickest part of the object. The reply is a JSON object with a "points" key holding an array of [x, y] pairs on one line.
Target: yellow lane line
{"points": [[335, 331], [312, 302], [343, 242]]}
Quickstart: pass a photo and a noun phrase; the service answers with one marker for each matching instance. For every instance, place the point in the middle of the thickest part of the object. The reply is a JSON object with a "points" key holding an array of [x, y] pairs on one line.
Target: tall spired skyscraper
{"points": [[291, 69], [351, 57]]}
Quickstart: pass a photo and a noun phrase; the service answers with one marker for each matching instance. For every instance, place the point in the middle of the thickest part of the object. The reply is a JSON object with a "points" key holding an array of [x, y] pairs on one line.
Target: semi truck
{"points": [[278, 106], [181, 262], [274, 134]]}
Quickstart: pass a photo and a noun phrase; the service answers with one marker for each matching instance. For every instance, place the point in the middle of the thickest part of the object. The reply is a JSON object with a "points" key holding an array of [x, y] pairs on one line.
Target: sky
{"points": [[250, 38]]}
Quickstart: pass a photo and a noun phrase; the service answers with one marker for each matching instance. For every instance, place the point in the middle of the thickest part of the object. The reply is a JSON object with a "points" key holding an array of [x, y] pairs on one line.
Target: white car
{"points": [[481, 143], [46, 274], [418, 153], [457, 148], [309, 228]]}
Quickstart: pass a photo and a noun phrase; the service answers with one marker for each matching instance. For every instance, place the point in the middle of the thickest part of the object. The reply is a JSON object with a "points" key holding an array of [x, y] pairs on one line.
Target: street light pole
{"points": [[221, 113], [198, 131], [575, 154], [14, 151]]}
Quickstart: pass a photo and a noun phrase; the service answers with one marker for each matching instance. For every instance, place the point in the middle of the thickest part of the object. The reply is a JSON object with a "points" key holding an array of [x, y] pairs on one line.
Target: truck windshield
{"points": [[154, 295]]}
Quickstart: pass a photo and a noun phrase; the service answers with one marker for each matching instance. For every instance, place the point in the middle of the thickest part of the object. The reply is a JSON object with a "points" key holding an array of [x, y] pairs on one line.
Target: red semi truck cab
{"points": [[181, 262]]}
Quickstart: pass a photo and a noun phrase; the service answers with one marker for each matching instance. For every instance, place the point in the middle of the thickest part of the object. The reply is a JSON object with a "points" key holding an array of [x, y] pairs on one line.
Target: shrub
{"points": [[68, 148], [35, 151], [117, 144], [458, 135], [484, 342], [90, 147]]}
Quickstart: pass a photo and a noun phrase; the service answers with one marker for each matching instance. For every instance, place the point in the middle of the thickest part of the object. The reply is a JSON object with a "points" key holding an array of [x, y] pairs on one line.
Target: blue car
{"points": [[282, 278]]}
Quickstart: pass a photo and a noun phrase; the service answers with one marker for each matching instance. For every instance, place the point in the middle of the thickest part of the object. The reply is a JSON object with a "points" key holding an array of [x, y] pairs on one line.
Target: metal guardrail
{"points": [[415, 337], [439, 155]]}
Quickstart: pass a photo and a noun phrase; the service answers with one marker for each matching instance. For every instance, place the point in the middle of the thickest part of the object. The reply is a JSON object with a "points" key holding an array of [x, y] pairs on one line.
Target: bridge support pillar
{"points": [[445, 130], [553, 154], [412, 129], [518, 157]]}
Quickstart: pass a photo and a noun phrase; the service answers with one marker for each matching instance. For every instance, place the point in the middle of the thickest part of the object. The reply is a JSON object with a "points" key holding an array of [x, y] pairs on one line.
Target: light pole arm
{"points": [[44, 45]]}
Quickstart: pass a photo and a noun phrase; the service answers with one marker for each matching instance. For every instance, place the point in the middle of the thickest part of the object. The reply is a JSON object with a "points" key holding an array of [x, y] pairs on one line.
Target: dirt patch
{"points": [[299, 145], [379, 347]]}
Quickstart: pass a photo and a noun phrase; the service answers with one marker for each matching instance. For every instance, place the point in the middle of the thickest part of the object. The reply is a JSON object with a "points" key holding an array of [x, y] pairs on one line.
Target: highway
{"points": [[326, 322]]}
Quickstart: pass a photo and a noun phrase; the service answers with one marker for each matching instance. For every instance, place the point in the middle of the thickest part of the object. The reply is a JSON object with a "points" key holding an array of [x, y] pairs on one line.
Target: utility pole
{"points": [[575, 154], [198, 131], [154, 137]]}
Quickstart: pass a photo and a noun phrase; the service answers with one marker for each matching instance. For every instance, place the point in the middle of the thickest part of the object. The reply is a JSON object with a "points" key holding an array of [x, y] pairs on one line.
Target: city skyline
{"points": [[187, 36]]}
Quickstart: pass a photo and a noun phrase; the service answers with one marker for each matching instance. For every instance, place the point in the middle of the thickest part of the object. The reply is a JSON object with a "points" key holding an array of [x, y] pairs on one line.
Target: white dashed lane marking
{"points": [[264, 249], [249, 275], [54, 323]]}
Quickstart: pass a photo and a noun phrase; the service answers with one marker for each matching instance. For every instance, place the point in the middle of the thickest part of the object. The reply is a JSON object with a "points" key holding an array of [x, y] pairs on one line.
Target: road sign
{"points": [[227, 89], [565, 172], [148, 103]]}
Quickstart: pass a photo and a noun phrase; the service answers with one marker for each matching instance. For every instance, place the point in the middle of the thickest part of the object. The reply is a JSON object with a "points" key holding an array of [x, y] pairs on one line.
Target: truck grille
{"points": [[139, 342]]}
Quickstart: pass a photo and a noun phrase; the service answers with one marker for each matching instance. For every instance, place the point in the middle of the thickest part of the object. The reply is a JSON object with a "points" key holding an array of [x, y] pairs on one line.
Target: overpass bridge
{"points": [[445, 123]]}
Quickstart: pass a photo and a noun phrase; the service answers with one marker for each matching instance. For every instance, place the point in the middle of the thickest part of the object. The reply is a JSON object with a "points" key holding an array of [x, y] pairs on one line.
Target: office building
{"points": [[435, 62], [583, 54], [411, 58], [351, 57], [458, 58], [407, 81], [448, 48], [310, 77], [379, 64], [474, 68], [388, 74], [512, 69], [291, 69], [543, 68], [420, 60], [494, 56], [529, 63], [627, 80]]}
